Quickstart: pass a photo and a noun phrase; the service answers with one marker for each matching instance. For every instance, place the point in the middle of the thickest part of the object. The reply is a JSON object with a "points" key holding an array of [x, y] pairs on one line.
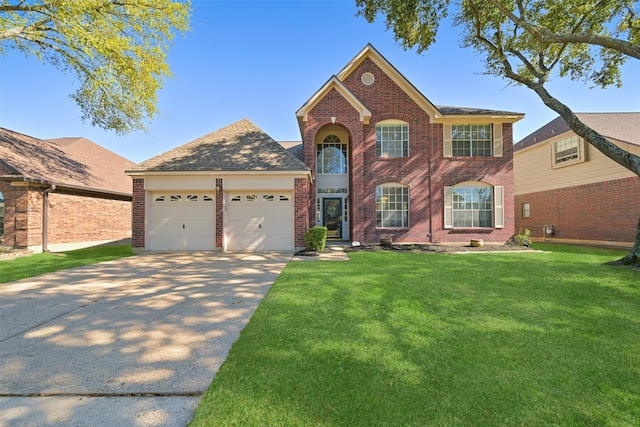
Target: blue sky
{"points": [[262, 60]]}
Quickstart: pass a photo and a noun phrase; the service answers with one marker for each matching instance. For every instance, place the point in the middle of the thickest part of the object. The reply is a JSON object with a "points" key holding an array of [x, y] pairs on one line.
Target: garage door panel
{"points": [[182, 222], [259, 221]]}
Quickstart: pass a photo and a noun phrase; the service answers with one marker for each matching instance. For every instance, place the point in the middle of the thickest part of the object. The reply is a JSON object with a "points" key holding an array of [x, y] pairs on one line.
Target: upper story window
{"points": [[331, 156], [392, 139], [471, 140], [567, 151]]}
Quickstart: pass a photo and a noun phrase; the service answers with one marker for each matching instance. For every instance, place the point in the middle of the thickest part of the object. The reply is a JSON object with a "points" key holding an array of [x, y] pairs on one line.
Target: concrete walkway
{"points": [[131, 342]]}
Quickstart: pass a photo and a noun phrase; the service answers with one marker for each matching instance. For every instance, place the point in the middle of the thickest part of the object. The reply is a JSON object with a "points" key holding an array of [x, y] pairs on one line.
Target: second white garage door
{"points": [[259, 221]]}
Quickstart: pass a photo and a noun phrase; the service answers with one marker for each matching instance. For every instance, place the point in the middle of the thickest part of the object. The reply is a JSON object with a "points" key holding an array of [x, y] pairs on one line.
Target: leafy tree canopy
{"points": [[116, 48]]}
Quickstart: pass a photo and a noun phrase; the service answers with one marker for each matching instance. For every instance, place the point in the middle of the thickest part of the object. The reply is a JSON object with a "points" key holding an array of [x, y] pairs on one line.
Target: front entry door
{"points": [[332, 218]]}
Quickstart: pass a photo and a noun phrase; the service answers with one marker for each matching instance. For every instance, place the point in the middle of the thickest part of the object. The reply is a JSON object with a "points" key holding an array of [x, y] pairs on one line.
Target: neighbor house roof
{"points": [[240, 146], [74, 163], [623, 127]]}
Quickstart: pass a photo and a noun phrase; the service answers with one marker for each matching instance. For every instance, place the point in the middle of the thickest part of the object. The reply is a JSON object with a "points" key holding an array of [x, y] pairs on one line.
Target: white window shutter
{"points": [[448, 207], [446, 138], [497, 139], [498, 201]]}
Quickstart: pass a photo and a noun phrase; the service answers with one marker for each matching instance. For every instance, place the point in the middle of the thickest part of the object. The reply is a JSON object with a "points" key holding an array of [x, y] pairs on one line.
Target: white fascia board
{"points": [[335, 83]]}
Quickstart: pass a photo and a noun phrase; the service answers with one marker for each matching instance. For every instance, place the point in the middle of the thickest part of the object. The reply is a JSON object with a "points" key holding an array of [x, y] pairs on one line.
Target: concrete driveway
{"points": [[131, 342]]}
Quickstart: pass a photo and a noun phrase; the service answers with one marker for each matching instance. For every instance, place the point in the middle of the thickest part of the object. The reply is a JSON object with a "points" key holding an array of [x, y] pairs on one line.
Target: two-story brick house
{"points": [[389, 163], [378, 159]]}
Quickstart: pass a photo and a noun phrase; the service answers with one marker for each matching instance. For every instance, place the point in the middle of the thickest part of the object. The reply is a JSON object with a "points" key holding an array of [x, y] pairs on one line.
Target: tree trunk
{"points": [[633, 257]]}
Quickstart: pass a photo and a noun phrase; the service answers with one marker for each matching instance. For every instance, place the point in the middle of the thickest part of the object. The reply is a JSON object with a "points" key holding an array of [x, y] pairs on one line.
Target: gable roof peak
{"points": [[334, 83], [373, 54]]}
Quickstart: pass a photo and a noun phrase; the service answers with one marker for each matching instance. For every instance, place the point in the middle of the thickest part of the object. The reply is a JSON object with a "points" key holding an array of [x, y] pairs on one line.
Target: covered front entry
{"points": [[332, 217], [181, 221], [259, 221]]}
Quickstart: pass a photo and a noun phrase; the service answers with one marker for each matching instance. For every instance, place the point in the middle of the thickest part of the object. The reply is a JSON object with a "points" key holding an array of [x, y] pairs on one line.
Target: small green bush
{"points": [[315, 238], [522, 238]]}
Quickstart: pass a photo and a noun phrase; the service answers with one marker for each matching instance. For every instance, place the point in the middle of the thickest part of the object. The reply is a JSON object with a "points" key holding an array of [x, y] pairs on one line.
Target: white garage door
{"points": [[260, 221], [182, 221]]}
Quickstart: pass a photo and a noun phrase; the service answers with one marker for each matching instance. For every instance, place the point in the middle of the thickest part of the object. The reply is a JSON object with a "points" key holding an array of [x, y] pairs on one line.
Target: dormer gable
{"points": [[334, 83]]}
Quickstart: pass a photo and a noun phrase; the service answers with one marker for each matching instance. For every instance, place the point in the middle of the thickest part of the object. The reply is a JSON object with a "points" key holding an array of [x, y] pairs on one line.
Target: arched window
{"points": [[392, 206], [331, 156]]}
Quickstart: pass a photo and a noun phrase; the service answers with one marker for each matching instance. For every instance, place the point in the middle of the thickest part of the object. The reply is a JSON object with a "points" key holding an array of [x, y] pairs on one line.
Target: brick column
{"points": [[138, 215], [219, 213], [301, 206]]}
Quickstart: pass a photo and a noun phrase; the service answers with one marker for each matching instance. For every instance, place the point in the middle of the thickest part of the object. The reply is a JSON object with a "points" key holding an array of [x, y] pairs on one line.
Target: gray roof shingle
{"points": [[461, 111], [623, 127], [240, 146]]}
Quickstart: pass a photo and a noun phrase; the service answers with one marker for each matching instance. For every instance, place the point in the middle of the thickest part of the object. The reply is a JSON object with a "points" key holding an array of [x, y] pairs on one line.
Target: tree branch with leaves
{"points": [[116, 48]]}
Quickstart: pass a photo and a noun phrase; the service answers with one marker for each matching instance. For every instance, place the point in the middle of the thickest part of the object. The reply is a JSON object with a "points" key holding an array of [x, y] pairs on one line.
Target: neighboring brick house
{"points": [[88, 194], [380, 160], [566, 190]]}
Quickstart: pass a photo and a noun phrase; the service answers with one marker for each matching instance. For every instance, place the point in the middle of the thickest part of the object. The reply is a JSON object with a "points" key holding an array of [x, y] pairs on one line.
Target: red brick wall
{"points": [[426, 171], [78, 218], [604, 211], [137, 214], [73, 217], [301, 215], [23, 220]]}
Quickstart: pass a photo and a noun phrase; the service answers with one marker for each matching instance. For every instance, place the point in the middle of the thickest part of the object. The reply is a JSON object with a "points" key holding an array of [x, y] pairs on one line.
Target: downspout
{"points": [[45, 216]]}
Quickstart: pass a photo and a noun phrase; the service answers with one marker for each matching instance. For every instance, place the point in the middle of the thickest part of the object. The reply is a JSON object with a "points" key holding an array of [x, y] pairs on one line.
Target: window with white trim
{"points": [[526, 210], [392, 206], [568, 151], [473, 204], [392, 139], [471, 140], [331, 156]]}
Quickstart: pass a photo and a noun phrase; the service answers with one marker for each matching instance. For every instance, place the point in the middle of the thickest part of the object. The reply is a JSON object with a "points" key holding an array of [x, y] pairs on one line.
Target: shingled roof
{"points": [[240, 146], [75, 163], [464, 111], [623, 127]]}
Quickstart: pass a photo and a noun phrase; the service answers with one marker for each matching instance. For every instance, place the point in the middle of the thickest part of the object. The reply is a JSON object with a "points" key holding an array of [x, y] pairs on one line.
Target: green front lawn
{"points": [[35, 265], [405, 339]]}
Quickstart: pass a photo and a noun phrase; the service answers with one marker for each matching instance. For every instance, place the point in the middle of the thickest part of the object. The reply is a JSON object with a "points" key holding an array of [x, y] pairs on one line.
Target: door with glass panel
{"points": [[332, 217]]}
